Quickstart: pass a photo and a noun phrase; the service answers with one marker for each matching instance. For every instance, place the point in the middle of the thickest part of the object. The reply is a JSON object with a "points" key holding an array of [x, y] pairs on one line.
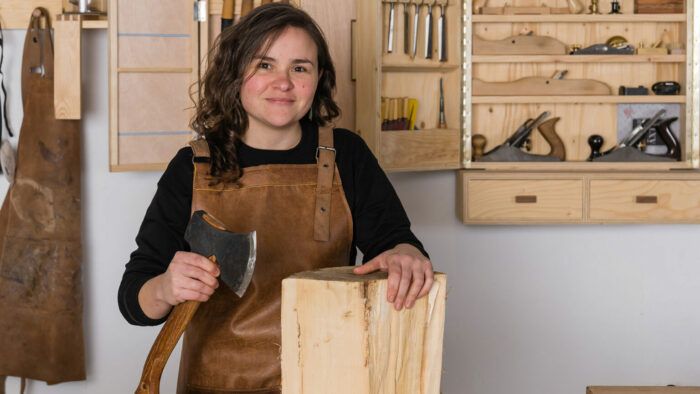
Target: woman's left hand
{"points": [[410, 274]]}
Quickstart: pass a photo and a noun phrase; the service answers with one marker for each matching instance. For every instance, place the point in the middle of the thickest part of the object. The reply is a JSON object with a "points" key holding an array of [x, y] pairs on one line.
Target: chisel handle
{"points": [[227, 14]]}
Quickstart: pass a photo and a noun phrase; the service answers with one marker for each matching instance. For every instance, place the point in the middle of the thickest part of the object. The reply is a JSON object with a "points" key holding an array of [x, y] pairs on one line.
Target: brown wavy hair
{"points": [[219, 114]]}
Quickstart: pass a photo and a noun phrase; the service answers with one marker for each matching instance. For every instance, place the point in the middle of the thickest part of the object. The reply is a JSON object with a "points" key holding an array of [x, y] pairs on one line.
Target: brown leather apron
{"points": [[303, 222], [41, 329]]}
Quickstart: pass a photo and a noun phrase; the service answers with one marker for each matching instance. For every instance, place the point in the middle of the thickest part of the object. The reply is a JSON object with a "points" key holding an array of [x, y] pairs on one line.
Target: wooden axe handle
{"points": [[167, 338], [165, 343]]}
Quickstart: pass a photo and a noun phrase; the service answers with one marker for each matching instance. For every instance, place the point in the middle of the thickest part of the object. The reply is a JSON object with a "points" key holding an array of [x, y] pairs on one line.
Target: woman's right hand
{"points": [[189, 277]]}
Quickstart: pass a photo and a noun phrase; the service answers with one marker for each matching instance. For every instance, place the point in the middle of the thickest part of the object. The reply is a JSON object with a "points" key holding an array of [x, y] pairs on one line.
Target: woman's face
{"points": [[280, 85]]}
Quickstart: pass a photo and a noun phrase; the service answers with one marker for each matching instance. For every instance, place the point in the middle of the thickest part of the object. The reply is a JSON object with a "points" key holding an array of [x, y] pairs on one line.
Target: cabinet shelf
{"points": [[577, 18], [578, 99], [394, 66], [581, 166], [578, 59]]}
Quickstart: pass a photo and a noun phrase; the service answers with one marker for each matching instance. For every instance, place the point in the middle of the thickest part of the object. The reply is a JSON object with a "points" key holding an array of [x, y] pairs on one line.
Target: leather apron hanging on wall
{"points": [[303, 222], [41, 330]]}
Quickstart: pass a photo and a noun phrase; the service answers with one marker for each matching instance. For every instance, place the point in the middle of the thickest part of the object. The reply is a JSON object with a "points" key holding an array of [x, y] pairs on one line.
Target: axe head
{"points": [[234, 252]]}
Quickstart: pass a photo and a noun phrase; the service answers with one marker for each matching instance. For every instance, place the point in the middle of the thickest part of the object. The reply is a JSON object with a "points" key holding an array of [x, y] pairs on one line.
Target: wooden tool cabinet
{"points": [[574, 191]]}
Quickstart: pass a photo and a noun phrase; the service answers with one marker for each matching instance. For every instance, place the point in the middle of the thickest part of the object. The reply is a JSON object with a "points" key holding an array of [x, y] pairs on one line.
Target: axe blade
{"points": [[235, 252]]}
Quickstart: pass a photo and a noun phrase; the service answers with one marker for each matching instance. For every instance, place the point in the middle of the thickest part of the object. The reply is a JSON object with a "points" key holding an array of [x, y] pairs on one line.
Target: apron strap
{"points": [[325, 156], [200, 150]]}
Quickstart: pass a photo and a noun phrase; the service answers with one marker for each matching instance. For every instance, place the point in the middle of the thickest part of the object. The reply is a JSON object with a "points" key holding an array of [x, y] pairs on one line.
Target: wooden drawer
{"points": [[644, 200], [527, 200]]}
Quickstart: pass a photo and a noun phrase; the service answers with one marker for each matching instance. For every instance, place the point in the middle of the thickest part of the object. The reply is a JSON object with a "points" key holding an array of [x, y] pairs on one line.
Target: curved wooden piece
{"points": [[556, 145], [520, 45], [540, 86], [163, 346]]}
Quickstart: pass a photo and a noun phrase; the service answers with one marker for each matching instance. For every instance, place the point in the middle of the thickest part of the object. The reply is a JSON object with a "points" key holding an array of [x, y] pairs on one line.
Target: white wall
{"points": [[531, 309]]}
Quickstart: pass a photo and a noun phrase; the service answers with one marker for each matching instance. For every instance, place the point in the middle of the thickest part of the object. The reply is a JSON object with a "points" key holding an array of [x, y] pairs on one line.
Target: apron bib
{"points": [[303, 222]]}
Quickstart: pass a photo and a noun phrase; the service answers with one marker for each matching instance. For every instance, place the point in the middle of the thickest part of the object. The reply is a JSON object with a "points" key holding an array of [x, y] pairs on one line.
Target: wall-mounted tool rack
{"points": [[572, 191]]}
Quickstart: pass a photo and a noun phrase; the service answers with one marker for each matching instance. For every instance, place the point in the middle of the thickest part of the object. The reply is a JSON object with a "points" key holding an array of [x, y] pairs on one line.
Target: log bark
{"points": [[340, 335]]}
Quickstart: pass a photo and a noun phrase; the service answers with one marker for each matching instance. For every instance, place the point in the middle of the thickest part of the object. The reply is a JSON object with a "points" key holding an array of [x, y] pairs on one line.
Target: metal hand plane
{"points": [[511, 149]]}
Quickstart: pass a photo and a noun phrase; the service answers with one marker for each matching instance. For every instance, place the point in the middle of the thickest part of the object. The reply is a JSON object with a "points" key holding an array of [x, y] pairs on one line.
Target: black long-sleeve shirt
{"points": [[379, 220]]}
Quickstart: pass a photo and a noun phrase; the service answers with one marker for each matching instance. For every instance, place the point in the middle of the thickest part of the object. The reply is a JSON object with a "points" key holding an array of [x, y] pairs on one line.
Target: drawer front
{"points": [[645, 200], [524, 200]]}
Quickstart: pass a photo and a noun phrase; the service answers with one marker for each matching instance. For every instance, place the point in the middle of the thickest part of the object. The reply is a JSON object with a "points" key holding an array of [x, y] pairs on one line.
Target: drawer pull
{"points": [[647, 199], [525, 199]]}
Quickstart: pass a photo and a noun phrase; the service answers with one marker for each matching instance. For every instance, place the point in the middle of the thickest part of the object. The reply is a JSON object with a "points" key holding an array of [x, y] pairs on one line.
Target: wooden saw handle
{"points": [[165, 343]]}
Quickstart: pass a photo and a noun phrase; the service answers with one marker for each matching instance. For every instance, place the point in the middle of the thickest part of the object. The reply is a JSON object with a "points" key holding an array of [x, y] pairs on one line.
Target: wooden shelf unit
{"points": [[577, 191], [382, 74], [484, 187]]}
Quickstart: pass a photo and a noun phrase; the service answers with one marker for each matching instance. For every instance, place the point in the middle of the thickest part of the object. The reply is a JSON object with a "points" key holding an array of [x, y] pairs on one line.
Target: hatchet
{"points": [[235, 255]]}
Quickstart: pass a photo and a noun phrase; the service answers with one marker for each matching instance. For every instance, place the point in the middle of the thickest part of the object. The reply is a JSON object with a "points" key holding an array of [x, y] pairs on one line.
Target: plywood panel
{"points": [[154, 102], [155, 17], [425, 149], [152, 51], [141, 148], [334, 18], [154, 61]]}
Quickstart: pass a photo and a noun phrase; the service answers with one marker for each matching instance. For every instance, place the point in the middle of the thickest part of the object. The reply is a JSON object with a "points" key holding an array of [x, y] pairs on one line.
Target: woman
{"points": [[267, 99]]}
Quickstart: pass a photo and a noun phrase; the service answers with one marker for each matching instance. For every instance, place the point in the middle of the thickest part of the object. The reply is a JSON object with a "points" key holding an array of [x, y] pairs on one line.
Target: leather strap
{"points": [[325, 156], [200, 149]]}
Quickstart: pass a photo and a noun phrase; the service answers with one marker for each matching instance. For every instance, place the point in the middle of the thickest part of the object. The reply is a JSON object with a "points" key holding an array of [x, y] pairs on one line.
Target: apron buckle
{"points": [[318, 150]]}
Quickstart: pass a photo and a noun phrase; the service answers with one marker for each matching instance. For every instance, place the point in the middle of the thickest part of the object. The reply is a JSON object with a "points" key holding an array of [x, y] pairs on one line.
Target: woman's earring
{"points": [[311, 113]]}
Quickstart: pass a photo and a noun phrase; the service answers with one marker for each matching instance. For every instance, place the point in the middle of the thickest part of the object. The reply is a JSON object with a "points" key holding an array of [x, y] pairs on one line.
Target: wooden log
{"points": [[340, 335]]}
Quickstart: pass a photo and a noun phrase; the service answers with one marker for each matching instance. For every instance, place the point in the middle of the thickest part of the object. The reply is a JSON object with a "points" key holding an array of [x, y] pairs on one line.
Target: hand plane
{"points": [[511, 149], [605, 49], [628, 150]]}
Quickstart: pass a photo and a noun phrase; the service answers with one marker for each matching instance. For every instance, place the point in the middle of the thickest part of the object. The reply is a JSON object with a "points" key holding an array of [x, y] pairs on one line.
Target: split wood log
{"points": [[340, 335]]}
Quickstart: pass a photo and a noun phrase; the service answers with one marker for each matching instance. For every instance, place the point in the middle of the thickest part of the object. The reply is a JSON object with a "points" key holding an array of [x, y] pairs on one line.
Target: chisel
{"points": [[429, 32], [442, 37], [414, 29], [405, 27], [442, 123], [390, 44]]}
